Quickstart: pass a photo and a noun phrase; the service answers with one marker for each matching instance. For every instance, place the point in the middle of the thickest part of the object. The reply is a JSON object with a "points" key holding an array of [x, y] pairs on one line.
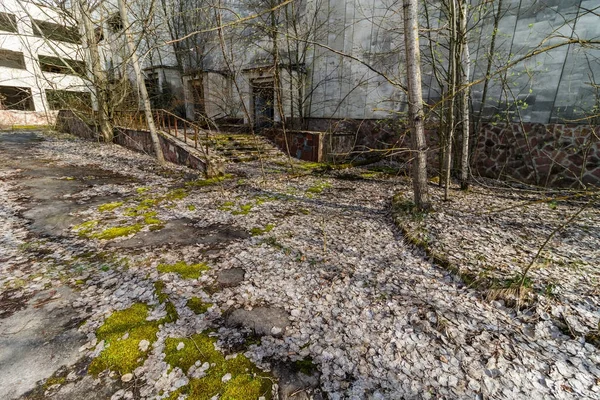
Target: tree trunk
{"points": [[98, 73], [466, 72], [415, 103], [145, 101]]}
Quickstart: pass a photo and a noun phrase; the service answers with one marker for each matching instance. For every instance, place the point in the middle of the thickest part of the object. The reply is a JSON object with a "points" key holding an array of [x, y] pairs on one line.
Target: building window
{"points": [[8, 23], [52, 31], [69, 100], [12, 59], [61, 65], [16, 98]]}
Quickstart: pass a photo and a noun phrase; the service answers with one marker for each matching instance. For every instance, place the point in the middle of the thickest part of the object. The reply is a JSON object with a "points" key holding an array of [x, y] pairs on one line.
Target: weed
{"points": [[191, 207]]}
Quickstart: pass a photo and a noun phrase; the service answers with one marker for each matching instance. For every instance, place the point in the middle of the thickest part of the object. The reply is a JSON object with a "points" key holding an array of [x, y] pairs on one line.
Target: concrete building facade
{"points": [[42, 64], [348, 60]]}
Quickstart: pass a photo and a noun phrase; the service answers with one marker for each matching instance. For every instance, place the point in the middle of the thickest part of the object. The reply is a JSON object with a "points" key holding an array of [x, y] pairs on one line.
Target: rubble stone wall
{"points": [[553, 155]]}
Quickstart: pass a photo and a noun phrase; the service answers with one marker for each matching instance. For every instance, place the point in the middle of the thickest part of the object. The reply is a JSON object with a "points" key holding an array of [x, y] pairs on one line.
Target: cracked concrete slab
{"points": [[37, 340]]}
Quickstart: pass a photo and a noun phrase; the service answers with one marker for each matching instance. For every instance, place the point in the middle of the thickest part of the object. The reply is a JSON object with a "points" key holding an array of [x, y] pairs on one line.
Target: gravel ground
{"points": [[376, 316]]}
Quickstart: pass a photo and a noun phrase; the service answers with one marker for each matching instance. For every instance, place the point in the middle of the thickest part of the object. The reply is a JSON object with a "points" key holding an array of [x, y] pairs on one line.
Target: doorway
{"points": [[263, 95]]}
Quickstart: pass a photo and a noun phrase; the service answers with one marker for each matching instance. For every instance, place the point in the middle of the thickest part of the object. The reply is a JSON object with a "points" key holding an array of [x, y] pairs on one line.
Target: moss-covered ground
{"points": [[122, 332], [247, 381]]}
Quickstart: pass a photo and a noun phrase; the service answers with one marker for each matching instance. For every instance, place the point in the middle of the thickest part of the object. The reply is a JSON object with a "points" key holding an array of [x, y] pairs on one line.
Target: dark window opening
{"points": [[16, 98], [61, 66], [53, 31], [115, 23], [69, 100], [12, 59], [8, 22]]}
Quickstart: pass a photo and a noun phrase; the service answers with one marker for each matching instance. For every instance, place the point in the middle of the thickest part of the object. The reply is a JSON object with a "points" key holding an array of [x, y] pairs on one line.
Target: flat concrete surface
{"points": [[37, 340]]}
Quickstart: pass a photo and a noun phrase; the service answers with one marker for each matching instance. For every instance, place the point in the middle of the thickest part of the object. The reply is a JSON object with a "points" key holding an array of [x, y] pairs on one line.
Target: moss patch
{"points": [[318, 187], [243, 210], [117, 231], [261, 231], [85, 228], [197, 305], [184, 270], [110, 206], [124, 355], [172, 314], [191, 207], [247, 381], [208, 182]]}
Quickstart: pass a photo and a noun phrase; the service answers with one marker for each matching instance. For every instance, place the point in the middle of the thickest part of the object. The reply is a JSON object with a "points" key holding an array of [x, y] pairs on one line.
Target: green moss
{"points": [[172, 314], [306, 366], [208, 182], [184, 270], [142, 190], [123, 355], [55, 380], [117, 231], [227, 206], [177, 194], [110, 206], [244, 209], [261, 231], [149, 218], [191, 207], [85, 228], [318, 187], [247, 381], [197, 305]]}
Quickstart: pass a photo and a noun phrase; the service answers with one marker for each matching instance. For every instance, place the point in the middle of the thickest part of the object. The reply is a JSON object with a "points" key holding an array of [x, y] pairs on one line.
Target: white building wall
{"points": [[31, 46]]}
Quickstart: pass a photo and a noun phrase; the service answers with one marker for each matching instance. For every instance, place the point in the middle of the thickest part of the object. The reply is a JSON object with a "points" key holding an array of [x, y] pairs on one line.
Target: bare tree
{"points": [[144, 99], [415, 103]]}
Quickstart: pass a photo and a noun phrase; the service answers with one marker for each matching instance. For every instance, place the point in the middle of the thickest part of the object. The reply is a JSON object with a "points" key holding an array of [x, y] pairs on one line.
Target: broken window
{"points": [[12, 59], [61, 65], [16, 98], [8, 22], [52, 31], [69, 100]]}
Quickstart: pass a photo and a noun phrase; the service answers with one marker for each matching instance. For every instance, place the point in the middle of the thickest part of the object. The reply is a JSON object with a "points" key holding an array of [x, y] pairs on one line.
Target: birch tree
{"points": [[415, 103], [143, 93]]}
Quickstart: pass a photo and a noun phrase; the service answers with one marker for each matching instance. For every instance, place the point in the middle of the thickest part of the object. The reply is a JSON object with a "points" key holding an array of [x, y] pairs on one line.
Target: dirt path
{"points": [[313, 262]]}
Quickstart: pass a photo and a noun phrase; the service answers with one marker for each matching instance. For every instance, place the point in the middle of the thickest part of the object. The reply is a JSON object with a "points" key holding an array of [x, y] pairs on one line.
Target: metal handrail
{"points": [[164, 120]]}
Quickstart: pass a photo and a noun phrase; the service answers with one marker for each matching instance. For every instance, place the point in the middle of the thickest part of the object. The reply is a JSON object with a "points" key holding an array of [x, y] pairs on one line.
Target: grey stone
{"points": [[261, 320], [231, 277]]}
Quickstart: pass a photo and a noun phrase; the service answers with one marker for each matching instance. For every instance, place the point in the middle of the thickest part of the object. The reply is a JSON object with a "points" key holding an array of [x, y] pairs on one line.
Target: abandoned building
{"points": [[41, 64]]}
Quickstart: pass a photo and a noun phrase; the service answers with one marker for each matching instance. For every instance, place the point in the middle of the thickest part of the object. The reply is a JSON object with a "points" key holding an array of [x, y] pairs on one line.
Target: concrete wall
{"points": [[141, 141]]}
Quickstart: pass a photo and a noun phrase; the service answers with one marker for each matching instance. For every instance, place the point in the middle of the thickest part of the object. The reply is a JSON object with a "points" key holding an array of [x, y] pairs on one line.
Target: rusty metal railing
{"points": [[166, 122]]}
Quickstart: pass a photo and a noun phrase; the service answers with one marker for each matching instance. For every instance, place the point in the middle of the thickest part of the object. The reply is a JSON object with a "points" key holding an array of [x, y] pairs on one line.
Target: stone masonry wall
{"points": [[548, 155], [554, 155]]}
